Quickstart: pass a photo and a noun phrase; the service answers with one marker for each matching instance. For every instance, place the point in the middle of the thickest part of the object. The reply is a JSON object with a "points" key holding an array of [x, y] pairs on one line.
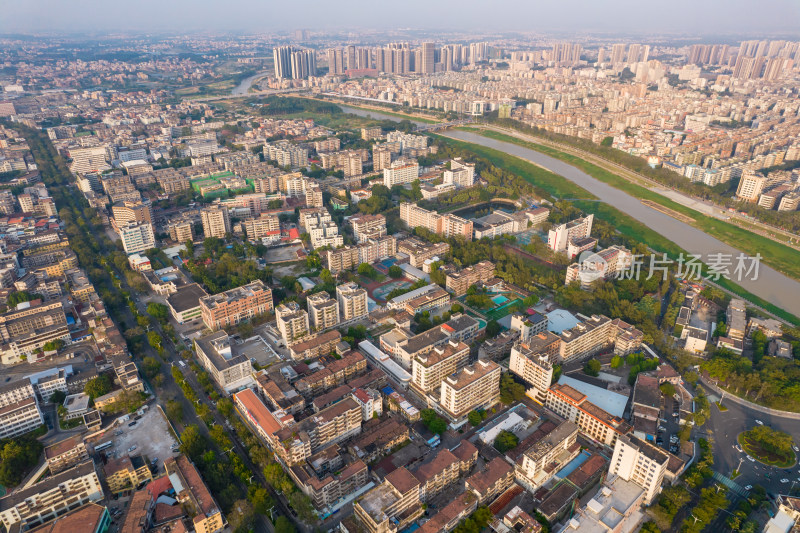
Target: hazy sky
{"points": [[702, 17]]}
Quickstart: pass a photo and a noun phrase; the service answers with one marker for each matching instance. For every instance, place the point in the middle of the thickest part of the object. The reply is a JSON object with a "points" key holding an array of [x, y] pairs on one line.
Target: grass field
{"points": [[382, 110], [780, 257], [562, 188]]}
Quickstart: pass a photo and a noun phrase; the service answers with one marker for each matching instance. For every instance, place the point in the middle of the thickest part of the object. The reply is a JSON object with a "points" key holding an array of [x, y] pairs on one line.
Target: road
{"points": [[725, 426], [171, 390]]}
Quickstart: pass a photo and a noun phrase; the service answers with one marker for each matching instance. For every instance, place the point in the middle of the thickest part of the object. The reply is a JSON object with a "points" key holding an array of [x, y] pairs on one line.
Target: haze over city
{"points": [[635, 17]]}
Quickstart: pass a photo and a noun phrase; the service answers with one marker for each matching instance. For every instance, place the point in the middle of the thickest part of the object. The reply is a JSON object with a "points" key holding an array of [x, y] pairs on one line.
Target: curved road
{"points": [[771, 285], [725, 426]]}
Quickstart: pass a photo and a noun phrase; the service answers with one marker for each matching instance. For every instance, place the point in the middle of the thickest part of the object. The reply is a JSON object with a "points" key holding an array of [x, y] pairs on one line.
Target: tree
{"points": [[607, 141], [649, 527], [592, 367], [395, 272], [433, 422], [58, 397], [241, 517], [493, 329], [193, 443], [158, 311], [475, 418], [368, 271], [510, 390], [175, 410], [98, 386], [17, 457], [151, 366], [617, 361], [505, 441], [283, 525], [16, 298], [260, 499], [327, 277]]}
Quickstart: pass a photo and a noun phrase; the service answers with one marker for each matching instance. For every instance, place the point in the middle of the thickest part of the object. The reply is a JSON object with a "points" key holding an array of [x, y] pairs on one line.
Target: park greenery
{"points": [[768, 445], [99, 386], [476, 417], [592, 367], [17, 457], [476, 522]]}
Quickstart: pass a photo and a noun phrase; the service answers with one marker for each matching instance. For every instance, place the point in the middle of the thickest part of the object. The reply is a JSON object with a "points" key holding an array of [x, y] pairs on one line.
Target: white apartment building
{"points": [[137, 238], [640, 462], [352, 301], [20, 417], [323, 311], [50, 498], [559, 237], [324, 234], [216, 222], [459, 174], [534, 368], [292, 322], [750, 186], [429, 370], [407, 140], [474, 387], [534, 467], [286, 154], [400, 172], [85, 160]]}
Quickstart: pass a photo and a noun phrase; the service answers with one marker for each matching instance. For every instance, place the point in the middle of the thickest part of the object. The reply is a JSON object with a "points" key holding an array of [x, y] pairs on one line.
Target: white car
{"points": [[751, 459], [796, 448], [759, 422], [132, 448], [738, 448], [784, 480], [748, 487]]}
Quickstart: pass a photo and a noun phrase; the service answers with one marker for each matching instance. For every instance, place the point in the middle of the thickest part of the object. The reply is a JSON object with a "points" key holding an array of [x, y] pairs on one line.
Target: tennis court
{"points": [[499, 299], [381, 292]]}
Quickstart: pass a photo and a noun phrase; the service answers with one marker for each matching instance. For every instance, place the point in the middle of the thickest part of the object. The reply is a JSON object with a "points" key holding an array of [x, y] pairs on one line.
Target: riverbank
{"points": [[626, 224], [781, 257]]}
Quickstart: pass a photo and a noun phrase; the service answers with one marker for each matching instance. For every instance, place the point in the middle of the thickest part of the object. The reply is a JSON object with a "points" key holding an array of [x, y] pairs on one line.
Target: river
{"points": [[244, 85], [770, 285]]}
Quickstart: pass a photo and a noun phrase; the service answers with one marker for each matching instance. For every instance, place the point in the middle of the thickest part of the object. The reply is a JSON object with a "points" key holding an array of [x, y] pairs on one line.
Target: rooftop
{"points": [[186, 297]]}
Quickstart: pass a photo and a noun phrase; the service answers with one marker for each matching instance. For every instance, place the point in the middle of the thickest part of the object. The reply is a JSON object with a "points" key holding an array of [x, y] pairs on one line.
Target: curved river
{"points": [[770, 285]]}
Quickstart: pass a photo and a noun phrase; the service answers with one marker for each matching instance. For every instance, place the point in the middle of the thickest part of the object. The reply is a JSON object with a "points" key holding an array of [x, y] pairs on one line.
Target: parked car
{"points": [[796, 448], [784, 480], [751, 459], [132, 448], [759, 422]]}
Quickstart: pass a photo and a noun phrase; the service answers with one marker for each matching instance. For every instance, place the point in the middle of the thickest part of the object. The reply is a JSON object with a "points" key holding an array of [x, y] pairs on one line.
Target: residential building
{"points": [[559, 237], [65, 454], [229, 368], [429, 370], [392, 505], [90, 518], [594, 422], [532, 367], [419, 251], [137, 238], [736, 319], [530, 326], [539, 456], [184, 303], [352, 301], [20, 417], [400, 172], [343, 258], [323, 311], [368, 227], [603, 265], [264, 226], [126, 213], [193, 495], [473, 387], [216, 222], [432, 301], [640, 462], [126, 473], [615, 508], [236, 305], [370, 401], [585, 339], [321, 344], [29, 327], [52, 497], [458, 282], [496, 476], [292, 322], [751, 184], [182, 231], [459, 174], [446, 519], [448, 225]]}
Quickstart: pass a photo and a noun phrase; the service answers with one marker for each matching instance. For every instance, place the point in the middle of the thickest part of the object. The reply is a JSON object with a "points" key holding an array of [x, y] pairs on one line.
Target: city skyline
{"points": [[708, 17]]}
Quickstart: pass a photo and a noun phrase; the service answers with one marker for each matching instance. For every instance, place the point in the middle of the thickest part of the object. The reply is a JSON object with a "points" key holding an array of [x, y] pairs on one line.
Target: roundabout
{"points": [[768, 446]]}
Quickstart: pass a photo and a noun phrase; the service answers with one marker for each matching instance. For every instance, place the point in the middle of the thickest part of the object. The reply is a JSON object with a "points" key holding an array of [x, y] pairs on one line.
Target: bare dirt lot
{"points": [[151, 436]]}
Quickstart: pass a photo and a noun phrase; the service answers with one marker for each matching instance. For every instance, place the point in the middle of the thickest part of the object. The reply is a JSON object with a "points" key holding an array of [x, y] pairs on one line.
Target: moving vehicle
{"points": [[748, 487], [784, 480], [751, 459], [759, 422]]}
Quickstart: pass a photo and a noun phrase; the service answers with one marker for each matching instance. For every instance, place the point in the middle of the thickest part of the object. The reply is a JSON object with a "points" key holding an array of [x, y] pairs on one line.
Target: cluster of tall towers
{"points": [[401, 58], [294, 64]]}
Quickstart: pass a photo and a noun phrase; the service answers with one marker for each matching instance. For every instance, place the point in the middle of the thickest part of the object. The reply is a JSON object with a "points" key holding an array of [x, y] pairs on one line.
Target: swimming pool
{"points": [[499, 299]]}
